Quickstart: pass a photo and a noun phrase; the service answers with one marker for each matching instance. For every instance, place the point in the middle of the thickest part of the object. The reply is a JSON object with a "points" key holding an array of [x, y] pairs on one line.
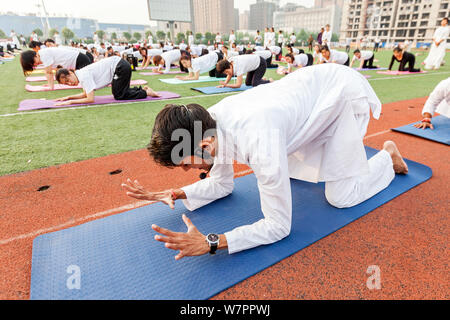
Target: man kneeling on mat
{"points": [[255, 67], [112, 71], [309, 135]]}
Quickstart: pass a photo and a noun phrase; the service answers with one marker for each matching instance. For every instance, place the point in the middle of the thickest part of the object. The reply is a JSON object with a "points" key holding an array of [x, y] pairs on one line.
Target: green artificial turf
{"points": [[35, 140]]}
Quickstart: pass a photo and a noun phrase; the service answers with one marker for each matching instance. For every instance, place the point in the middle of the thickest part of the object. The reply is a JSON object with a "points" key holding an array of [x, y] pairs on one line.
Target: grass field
{"points": [[50, 137]]}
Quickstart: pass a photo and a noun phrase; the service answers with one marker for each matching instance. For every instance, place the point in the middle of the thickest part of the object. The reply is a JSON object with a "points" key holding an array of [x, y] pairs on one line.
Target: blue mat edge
{"points": [[402, 129], [428, 173]]}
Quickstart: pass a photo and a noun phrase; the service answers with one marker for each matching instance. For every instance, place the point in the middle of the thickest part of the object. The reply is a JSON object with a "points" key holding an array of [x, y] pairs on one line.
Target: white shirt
{"points": [[275, 49], [218, 38], [266, 54], [171, 57], [295, 51], [204, 63], [150, 39], [326, 36], [300, 60], [293, 38], [191, 40], [98, 75], [232, 38], [339, 57], [182, 46], [439, 99], [258, 39], [245, 63], [67, 58], [196, 50], [441, 33], [35, 37], [365, 55], [280, 38], [311, 134], [154, 52]]}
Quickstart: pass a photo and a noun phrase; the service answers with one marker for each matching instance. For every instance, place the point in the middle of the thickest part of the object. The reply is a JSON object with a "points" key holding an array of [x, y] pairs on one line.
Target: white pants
{"points": [[352, 191]]}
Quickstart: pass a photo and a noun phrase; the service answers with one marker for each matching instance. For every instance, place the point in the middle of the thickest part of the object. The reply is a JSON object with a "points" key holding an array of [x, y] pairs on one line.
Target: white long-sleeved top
{"points": [[439, 99], [311, 134]]}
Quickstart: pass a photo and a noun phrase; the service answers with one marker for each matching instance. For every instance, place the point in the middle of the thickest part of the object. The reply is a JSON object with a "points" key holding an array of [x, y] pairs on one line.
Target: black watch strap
{"points": [[213, 249]]}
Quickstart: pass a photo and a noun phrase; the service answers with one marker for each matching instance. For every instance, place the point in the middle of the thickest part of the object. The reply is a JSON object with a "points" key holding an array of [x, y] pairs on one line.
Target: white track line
{"points": [[190, 97], [377, 134], [78, 221]]}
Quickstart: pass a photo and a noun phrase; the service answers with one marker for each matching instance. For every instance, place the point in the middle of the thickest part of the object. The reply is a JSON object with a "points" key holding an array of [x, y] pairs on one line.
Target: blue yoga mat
{"points": [[215, 90], [118, 258], [441, 132], [200, 79]]}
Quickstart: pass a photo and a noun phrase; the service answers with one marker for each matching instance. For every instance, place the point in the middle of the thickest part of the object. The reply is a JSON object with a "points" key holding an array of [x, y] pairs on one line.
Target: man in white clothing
{"points": [[437, 51], [315, 133], [439, 100], [326, 36]]}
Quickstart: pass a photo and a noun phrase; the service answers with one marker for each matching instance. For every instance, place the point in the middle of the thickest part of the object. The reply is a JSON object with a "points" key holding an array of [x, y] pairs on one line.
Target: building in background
{"points": [[293, 18], [393, 20], [214, 16], [327, 3], [261, 14], [236, 19], [243, 20]]}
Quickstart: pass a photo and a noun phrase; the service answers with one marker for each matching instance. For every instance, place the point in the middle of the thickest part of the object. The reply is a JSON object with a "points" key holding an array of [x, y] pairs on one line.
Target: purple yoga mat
{"points": [[151, 68], [396, 73], [35, 79], [31, 88], [159, 74], [34, 104]]}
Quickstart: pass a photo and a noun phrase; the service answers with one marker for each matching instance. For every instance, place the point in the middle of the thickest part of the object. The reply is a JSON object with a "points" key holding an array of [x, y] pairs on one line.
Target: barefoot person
{"points": [[252, 65], [299, 61], [310, 134], [206, 63], [405, 58], [439, 100], [166, 60], [333, 56], [112, 71], [366, 59]]}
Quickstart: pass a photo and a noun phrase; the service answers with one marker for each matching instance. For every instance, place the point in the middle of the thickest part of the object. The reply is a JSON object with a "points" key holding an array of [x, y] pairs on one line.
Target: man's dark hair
{"points": [[27, 61], [174, 117], [223, 65], [290, 55], [157, 59], [356, 51], [324, 47], [35, 44], [445, 18], [398, 49], [49, 40]]}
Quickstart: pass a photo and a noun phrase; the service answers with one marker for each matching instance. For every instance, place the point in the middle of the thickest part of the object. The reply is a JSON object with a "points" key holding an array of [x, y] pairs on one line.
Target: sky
{"points": [[112, 11]]}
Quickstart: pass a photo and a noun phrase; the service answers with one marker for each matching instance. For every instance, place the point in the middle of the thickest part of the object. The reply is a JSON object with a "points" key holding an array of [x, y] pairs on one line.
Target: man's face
{"points": [[194, 162], [444, 22], [358, 55], [70, 80], [398, 55], [326, 54]]}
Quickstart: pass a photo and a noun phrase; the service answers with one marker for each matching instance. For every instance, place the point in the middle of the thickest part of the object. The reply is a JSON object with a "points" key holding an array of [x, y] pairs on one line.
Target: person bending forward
{"points": [[314, 133]]}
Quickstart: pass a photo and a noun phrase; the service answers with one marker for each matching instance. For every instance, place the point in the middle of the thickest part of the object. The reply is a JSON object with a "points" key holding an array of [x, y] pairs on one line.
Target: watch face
{"points": [[213, 237]]}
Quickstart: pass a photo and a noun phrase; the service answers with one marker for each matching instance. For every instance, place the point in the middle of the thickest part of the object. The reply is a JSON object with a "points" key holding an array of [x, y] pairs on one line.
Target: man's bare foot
{"points": [[400, 165], [151, 93], [271, 80]]}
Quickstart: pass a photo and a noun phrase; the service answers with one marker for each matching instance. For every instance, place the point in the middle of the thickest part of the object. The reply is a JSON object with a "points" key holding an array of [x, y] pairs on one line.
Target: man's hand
{"points": [[221, 86], [62, 99], [65, 103], [424, 125], [191, 243], [135, 190]]}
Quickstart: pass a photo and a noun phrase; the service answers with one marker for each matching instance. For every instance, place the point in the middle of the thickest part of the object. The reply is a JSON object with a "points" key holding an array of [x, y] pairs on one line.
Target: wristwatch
{"points": [[213, 241]]}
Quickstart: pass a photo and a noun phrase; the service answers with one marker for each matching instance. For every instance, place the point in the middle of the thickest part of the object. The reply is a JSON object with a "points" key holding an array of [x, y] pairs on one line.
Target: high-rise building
{"points": [[261, 14], [393, 20], [243, 20], [236, 19], [327, 3], [214, 16], [292, 18]]}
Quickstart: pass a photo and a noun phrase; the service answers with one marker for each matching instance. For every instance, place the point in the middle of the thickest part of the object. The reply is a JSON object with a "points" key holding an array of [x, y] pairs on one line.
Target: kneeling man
{"points": [[315, 133]]}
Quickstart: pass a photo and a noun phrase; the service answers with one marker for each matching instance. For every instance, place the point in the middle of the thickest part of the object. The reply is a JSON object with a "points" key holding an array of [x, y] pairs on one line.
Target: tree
{"points": [[168, 35], [148, 33], [161, 35], [67, 34], [52, 32], [198, 36], [137, 36], [2, 34], [127, 36], [38, 32], [334, 37], [208, 36], [180, 37], [101, 35], [113, 36]]}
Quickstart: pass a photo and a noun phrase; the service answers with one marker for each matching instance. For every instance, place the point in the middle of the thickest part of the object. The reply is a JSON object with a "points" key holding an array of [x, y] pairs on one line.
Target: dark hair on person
{"points": [[356, 51], [398, 49], [324, 47], [60, 73], [290, 55], [27, 61], [49, 40], [188, 58], [445, 18], [204, 52], [174, 117], [35, 44], [157, 59], [223, 65]]}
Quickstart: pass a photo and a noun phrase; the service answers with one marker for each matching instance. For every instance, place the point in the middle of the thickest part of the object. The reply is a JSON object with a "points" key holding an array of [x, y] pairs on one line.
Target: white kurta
{"points": [[437, 53], [439, 99], [312, 134]]}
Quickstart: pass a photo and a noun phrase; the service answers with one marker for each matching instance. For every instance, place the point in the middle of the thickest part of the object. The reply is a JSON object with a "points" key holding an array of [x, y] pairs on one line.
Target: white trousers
{"points": [[352, 191]]}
